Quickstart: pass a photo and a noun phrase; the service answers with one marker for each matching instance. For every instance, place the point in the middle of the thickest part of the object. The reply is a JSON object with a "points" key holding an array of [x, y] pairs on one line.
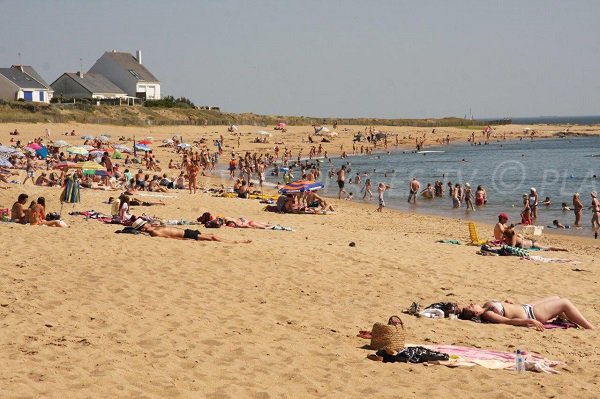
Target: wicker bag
{"points": [[389, 337]]}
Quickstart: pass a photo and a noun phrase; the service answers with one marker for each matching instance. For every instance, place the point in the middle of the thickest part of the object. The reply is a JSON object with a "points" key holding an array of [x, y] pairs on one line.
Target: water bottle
{"points": [[519, 362]]}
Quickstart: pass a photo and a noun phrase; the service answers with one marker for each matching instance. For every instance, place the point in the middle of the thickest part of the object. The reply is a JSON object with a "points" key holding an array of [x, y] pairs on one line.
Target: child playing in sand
{"points": [[380, 190]]}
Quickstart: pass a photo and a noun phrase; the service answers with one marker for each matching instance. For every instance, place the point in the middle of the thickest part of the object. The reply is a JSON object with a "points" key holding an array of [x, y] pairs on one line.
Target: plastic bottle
{"points": [[519, 362]]}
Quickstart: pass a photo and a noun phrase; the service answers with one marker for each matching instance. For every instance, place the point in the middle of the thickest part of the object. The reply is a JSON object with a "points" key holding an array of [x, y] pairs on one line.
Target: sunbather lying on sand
{"points": [[533, 314], [240, 223], [517, 240], [179, 234]]}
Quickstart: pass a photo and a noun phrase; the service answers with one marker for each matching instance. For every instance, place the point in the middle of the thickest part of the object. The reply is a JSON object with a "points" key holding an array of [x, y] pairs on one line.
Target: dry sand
{"points": [[89, 313]]}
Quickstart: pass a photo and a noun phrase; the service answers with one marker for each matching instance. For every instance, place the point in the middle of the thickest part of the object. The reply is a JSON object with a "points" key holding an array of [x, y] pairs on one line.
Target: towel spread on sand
{"points": [[461, 356], [537, 258]]}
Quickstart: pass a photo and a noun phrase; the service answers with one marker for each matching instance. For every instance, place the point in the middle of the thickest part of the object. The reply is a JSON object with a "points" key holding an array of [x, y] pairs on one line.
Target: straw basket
{"points": [[388, 337]]}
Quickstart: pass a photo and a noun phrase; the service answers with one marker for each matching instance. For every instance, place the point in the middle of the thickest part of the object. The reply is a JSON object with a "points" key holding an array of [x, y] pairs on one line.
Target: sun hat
{"points": [[503, 216], [138, 223], [533, 189]]}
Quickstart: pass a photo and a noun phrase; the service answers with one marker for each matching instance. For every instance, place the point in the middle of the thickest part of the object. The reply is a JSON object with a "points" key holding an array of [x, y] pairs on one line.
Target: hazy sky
{"points": [[349, 58]]}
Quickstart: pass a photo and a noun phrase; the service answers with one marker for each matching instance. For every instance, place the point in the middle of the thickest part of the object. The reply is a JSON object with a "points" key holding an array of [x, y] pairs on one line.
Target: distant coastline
{"points": [[558, 120]]}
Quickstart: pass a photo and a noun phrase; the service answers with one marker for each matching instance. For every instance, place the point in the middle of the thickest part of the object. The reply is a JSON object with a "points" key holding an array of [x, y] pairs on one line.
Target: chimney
{"points": [[80, 74], [138, 56]]}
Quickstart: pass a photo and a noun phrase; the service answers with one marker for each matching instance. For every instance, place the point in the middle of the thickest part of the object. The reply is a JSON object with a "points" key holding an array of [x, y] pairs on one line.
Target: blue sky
{"points": [[388, 59]]}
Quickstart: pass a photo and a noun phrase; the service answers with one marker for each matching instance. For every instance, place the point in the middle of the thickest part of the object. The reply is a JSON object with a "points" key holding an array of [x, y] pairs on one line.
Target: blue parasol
{"points": [[42, 152]]}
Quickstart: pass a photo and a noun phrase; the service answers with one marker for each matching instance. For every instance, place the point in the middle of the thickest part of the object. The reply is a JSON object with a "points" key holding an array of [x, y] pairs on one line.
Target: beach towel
{"points": [[538, 258], [561, 324], [461, 356]]}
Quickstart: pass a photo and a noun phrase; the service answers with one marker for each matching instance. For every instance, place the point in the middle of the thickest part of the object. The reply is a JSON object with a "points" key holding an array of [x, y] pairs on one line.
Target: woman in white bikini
{"points": [[532, 315]]}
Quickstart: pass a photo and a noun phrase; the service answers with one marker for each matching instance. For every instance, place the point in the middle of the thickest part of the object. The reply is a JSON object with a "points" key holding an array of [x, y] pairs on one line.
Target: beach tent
{"points": [[300, 186], [280, 126]]}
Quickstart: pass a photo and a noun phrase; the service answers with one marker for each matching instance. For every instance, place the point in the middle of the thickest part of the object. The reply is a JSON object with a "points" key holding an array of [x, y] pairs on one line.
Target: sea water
{"points": [[557, 168]]}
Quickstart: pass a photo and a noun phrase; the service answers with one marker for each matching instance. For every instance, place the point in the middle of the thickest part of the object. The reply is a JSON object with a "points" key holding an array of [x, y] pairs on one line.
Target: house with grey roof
{"points": [[22, 82], [128, 73], [86, 85]]}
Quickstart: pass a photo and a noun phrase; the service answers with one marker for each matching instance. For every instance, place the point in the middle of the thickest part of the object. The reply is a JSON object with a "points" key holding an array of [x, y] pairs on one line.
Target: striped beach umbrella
{"points": [[103, 139], [4, 160], [8, 150], [88, 165], [65, 165], [77, 151], [70, 193], [300, 186], [60, 144], [88, 147], [122, 148], [142, 147]]}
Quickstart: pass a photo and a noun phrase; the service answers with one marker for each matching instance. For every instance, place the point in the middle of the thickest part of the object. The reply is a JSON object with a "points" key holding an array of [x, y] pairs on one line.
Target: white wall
{"points": [[152, 90]]}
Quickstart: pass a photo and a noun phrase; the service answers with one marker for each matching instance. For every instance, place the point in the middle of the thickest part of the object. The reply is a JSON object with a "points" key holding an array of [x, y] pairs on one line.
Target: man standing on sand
{"points": [[29, 168], [341, 180], [380, 190], [414, 189], [179, 234], [595, 213], [500, 227], [260, 170]]}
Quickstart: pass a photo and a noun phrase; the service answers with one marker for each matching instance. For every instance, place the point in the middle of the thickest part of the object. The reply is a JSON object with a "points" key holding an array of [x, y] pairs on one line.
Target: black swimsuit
{"points": [[192, 234]]}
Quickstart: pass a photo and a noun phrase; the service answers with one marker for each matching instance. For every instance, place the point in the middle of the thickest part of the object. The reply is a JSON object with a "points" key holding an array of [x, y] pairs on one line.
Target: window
{"points": [[135, 74]]}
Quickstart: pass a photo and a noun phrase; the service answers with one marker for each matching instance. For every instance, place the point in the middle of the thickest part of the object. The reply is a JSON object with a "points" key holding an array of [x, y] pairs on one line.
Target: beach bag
{"points": [[53, 216], [389, 337]]}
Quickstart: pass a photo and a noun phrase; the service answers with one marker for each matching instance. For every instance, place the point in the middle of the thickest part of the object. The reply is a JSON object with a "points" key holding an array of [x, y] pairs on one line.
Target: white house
{"points": [[128, 73], [86, 85], [23, 82]]}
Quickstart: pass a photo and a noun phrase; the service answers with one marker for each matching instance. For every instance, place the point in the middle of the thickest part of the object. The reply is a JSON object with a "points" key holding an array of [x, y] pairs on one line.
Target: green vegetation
{"points": [[183, 113], [170, 102]]}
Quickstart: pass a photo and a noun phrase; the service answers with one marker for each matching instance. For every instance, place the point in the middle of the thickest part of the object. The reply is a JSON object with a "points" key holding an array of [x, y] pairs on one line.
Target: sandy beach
{"points": [[86, 312]]}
